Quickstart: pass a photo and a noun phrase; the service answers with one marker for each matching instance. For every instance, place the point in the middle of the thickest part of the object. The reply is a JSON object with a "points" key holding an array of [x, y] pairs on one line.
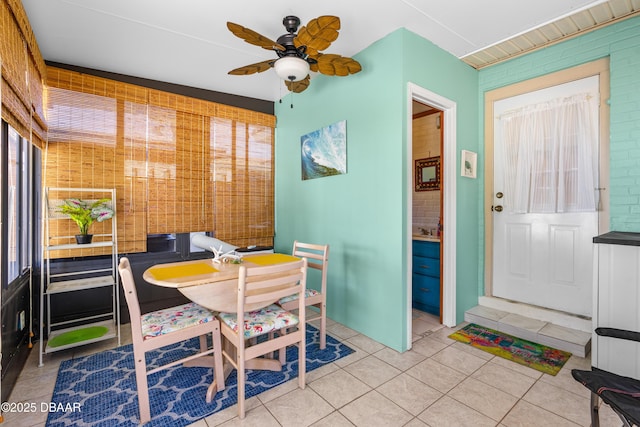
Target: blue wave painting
{"points": [[324, 151]]}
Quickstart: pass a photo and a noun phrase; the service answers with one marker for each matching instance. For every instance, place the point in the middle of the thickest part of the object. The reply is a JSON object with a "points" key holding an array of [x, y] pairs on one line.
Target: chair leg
{"points": [[323, 326], [595, 418], [302, 357], [282, 353], [241, 377], [143, 386], [218, 363], [218, 371]]}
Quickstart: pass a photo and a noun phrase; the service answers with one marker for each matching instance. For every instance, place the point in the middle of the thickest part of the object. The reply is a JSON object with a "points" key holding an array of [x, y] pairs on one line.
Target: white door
{"points": [[542, 243]]}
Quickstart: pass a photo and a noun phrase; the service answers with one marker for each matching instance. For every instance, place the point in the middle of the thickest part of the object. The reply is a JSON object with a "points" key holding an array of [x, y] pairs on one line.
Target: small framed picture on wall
{"points": [[468, 164]]}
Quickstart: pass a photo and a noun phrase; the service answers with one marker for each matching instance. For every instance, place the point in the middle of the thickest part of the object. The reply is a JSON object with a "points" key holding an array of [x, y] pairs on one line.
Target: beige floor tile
{"points": [[373, 409], [415, 423], [339, 388], [256, 417], [436, 375], [231, 412], [353, 357], [448, 412], [428, 346], [459, 360], [372, 371], [410, 394], [608, 418], [35, 389], [340, 331], [419, 326], [321, 372], [564, 379], [299, 408], [524, 414], [199, 423], [561, 402], [334, 419], [402, 361], [512, 382], [277, 391], [365, 343], [442, 334], [483, 398]]}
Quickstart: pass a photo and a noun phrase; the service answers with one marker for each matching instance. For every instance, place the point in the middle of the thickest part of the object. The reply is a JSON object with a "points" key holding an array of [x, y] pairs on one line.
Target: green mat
{"points": [[78, 335]]}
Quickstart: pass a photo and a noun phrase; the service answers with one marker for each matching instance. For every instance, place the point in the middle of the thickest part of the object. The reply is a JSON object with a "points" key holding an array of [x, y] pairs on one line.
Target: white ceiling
{"points": [[187, 42]]}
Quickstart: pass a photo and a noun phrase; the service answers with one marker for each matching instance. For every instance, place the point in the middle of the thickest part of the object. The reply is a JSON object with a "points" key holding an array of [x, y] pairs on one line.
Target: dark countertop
{"points": [[619, 238]]}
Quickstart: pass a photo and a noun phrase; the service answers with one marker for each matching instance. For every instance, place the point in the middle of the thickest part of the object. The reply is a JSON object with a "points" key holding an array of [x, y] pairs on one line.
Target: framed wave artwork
{"points": [[324, 151]]}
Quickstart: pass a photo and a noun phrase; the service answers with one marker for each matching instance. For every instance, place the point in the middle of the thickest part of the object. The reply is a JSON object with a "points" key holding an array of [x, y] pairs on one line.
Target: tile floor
{"points": [[439, 382]]}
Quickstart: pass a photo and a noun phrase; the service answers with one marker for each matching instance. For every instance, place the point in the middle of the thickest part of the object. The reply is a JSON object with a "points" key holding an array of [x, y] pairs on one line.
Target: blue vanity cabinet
{"points": [[426, 276]]}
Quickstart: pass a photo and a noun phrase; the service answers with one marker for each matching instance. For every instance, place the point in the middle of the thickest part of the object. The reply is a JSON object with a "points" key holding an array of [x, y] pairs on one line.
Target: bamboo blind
{"points": [[178, 164], [22, 99]]}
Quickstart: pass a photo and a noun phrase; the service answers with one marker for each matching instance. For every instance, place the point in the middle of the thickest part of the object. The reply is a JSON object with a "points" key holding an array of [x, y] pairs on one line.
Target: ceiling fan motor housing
{"points": [[291, 23]]}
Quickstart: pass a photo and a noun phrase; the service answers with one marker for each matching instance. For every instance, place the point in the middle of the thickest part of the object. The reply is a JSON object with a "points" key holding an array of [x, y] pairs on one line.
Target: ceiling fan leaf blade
{"points": [[253, 37], [258, 67], [318, 34], [298, 86], [337, 65]]}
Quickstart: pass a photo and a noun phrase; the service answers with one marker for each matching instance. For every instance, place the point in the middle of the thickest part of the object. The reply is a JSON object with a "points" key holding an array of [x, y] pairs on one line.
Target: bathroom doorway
{"points": [[427, 137], [446, 110]]}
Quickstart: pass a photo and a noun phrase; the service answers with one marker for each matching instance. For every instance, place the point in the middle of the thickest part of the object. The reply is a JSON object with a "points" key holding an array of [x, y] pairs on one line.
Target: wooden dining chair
{"points": [[160, 328], [318, 258], [257, 316]]}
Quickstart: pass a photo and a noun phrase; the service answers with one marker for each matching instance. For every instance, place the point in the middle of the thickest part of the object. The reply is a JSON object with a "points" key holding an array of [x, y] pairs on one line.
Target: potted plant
{"points": [[84, 213]]}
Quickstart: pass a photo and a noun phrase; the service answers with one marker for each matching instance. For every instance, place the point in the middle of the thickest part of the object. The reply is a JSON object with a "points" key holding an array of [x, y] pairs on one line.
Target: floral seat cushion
{"points": [[173, 319], [307, 293], [261, 321]]}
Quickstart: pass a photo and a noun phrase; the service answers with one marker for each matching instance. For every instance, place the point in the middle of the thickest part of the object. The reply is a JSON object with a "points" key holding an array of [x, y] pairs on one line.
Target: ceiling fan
{"points": [[298, 53]]}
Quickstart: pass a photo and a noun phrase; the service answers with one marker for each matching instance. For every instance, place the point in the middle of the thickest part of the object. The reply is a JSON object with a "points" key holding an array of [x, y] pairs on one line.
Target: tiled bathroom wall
{"points": [[426, 143]]}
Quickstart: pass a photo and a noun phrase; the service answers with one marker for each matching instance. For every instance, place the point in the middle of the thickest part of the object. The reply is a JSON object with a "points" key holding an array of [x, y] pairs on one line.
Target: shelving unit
{"points": [[76, 279]]}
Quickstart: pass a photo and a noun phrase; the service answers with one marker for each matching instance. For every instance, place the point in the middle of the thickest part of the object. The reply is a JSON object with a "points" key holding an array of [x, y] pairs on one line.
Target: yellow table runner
{"points": [[178, 271], [270, 259]]}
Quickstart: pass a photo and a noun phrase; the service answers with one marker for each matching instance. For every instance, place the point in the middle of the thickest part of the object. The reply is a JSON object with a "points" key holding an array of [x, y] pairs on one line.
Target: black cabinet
{"points": [[426, 276]]}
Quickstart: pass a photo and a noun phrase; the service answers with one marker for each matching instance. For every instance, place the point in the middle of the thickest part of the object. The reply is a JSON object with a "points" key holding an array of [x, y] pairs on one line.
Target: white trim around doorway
{"points": [[449, 169]]}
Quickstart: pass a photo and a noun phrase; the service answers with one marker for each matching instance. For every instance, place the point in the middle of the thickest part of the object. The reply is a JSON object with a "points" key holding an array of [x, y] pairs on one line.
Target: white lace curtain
{"points": [[550, 156]]}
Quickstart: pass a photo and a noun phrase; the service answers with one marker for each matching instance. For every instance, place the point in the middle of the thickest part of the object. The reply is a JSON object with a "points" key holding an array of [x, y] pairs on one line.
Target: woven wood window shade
{"points": [[178, 164], [243, 179], [23, 71]]}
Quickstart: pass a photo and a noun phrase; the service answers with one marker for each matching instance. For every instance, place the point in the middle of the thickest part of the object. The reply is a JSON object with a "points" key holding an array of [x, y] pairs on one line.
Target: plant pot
{"points": [[84, 239]]}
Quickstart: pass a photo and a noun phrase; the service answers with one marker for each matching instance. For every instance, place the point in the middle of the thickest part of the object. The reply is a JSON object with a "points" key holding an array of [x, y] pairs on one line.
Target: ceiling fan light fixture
{"points": [[291, 68]]}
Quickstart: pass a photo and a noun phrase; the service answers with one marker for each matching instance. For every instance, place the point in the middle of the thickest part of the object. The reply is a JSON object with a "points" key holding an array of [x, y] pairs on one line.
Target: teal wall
{"points": [[362, 214]]}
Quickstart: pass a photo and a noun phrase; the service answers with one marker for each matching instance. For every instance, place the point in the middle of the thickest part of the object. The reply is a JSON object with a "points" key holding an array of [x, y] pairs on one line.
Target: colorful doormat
{"points": [[100, 389], [537, 356]]}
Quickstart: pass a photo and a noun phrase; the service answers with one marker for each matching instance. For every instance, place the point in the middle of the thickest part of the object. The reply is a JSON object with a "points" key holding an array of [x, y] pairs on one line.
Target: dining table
{"points": [[213, 284]]}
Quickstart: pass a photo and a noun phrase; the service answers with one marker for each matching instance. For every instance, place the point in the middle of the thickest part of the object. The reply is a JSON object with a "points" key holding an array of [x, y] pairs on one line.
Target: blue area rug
{"points": [[100, 389]]}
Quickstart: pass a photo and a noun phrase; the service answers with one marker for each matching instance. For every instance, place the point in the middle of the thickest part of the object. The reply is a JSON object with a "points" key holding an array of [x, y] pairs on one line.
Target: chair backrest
{"points": [[318, 256], [261, 286], [129, 286]]}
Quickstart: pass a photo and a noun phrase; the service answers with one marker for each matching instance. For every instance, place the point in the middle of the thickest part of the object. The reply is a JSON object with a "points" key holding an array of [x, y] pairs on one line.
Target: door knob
{"points": [[499, 195], [496, 208]]}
